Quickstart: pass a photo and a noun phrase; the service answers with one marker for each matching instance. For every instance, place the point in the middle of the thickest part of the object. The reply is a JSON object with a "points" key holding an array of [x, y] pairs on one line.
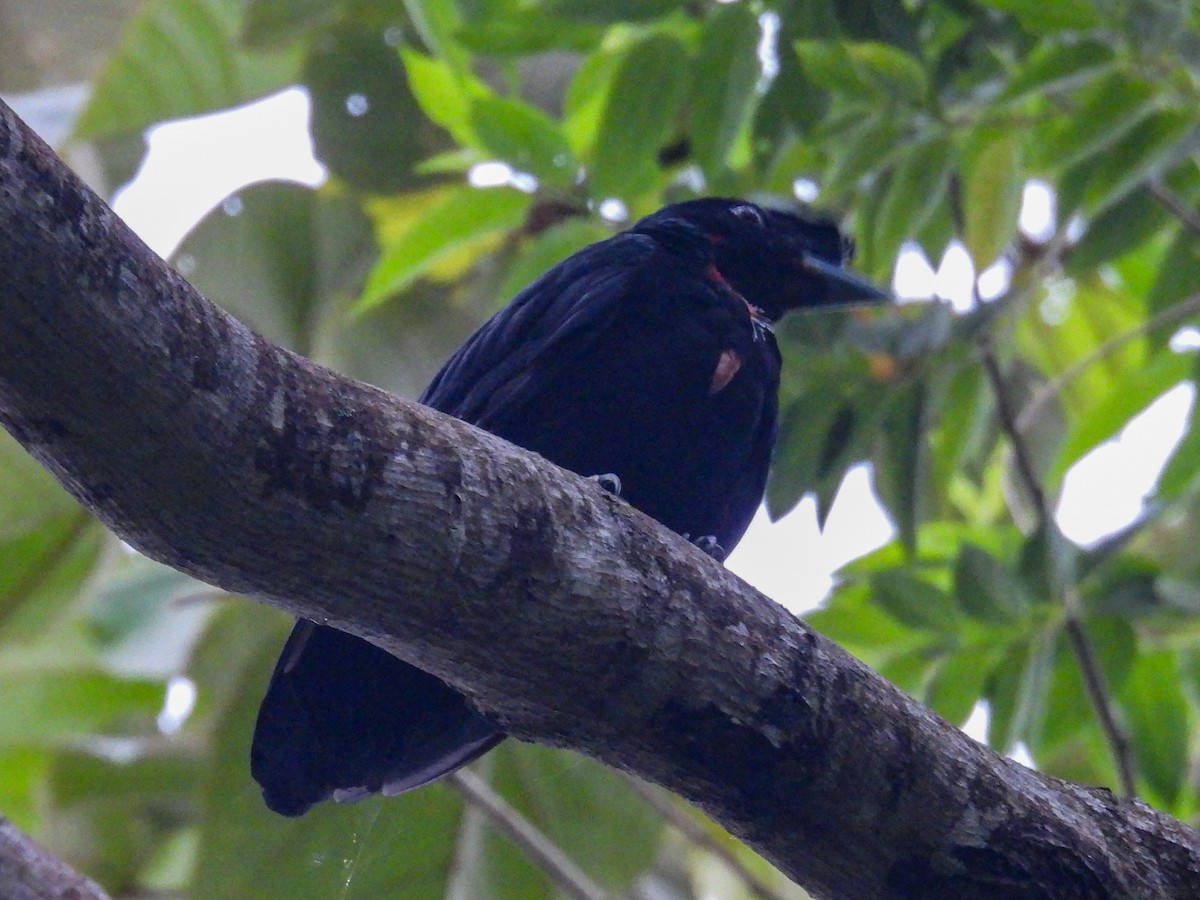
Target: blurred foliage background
{"points": [[917, 123]]}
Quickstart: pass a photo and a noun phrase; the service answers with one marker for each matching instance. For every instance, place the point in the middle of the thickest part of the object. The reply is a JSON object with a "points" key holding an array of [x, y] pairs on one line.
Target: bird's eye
{"points": [[749, 214]]}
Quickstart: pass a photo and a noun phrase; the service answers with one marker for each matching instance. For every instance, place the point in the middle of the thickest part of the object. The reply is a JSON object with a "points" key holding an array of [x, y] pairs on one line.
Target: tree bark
{"points": [[27, 872], [570, 618]]}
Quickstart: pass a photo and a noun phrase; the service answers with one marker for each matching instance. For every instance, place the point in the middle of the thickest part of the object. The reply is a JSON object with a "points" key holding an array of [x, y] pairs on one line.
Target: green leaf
{"points": [[281, 257], [51, 707], [612, 10], [1039, 16], [865, 70], [993, 181], [1156, 711], [444, 93], [179, 58], [1118, 229], [793, 104], [45, 570], [858, 148], [1106, 111], [367, 126], [1058, 65], [523, 32], [724, 91], [914, 602], [1017, 692], [80, 777], [587, 99], [1143, 153], [911, 671], [916, 189], [888, 70], [986, 589], [854, 622], [639, 114], [902, 458], [1088, 338], [463, 218], [22, 778], [964, 427], [958, 682], [816, 437], [1178, 274], [827, 64], [29, 495], [438, 23], [525, 138], [274, 23], [1181, 474]]}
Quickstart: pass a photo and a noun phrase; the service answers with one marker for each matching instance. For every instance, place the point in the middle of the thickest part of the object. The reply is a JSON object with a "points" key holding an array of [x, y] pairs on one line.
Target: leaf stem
{"points": [[569, 878], [1175, 204]]}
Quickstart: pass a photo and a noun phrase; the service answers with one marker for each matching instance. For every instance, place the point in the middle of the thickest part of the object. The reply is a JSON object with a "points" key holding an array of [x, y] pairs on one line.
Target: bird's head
{"points": [[776, 260]]}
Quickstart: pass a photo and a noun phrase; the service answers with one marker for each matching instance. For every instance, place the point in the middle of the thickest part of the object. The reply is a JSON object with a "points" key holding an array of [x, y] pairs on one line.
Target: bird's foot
{"points": [[609, 481], [708, 543]]}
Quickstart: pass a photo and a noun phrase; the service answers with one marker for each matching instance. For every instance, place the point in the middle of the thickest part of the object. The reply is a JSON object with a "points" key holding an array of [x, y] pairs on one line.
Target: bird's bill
{"points": [[843, 287]]}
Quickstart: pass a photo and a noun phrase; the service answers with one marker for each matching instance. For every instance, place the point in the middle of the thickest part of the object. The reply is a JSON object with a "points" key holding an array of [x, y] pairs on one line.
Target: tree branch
{"points": [[1095, 684], [570, 618], [694, 831], [27, 872], [1174, 204]]}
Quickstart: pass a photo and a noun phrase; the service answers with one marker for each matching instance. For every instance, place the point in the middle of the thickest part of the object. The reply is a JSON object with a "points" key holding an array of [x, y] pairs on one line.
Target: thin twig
{"points": [[1094, 681], [569, 878], [695, 832], [1175, 204], [1008, 423]]}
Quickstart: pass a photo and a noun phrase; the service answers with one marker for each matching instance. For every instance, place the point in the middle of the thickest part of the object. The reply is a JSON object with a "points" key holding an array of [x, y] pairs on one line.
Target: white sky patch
{"points": [[193, 163], [489, 174], [495, 173], [1037, 219], [178, 704], [792, 561], [995, 279], [1186, 338], [954, 277], [768, 56], [805, 190], [913, 277], [613, 210], [1106, 490]]}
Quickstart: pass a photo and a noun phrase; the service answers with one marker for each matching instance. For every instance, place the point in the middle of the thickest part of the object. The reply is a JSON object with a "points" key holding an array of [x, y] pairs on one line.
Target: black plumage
{"points": [[649, 356]]}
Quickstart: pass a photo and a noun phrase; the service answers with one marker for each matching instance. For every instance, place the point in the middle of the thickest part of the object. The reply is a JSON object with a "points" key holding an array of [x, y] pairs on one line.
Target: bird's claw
{"points": [[708, 543], [609, 481]]}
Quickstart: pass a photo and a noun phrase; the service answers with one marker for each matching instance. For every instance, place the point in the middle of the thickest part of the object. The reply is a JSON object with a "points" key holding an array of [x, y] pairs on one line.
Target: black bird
{"points": [[649, 356]]}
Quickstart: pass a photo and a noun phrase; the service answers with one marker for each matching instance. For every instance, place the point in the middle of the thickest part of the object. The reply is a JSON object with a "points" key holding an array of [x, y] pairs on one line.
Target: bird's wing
{"points": [[553, 319], [343, 718]]}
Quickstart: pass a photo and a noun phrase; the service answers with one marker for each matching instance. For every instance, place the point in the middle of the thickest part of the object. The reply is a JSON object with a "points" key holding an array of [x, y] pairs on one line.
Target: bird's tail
{"points": [[344, 719]]}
